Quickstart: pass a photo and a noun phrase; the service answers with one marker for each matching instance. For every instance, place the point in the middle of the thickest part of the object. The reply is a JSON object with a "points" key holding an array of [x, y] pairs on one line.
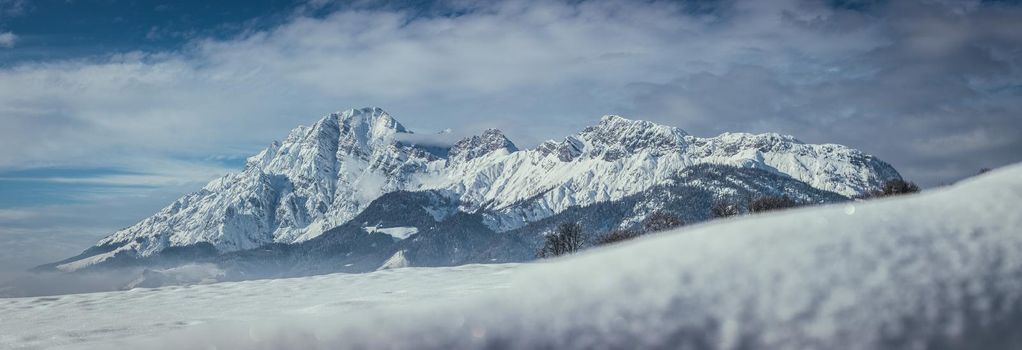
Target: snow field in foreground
{"points": [[114, 319]]}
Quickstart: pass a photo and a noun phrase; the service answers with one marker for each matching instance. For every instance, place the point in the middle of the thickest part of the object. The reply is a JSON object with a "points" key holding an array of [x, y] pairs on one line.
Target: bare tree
{"points": [[567, 239], [894, 187], [764, 204], [660, 221], [898, 187], [724, 209], [617, 236]]}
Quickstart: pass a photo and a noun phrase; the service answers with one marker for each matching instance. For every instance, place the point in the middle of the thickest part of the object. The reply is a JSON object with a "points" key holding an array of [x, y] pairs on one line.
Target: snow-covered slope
{"points": [[395, 262], [938, 270], [321, 176]]}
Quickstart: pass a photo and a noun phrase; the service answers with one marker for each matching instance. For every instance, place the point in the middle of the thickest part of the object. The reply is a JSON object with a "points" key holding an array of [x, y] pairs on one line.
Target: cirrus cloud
{"points": [[7, 39]]}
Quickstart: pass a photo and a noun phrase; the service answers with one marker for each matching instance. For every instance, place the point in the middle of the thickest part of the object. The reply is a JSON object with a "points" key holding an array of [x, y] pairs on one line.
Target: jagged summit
{"points": [[364, 130], [616, 137], [490, 140], [565, 151], [354, 132], [619, 123], [321, 176]]}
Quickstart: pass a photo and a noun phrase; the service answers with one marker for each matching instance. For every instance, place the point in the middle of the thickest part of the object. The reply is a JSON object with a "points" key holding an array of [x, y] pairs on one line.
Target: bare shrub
{"points": [[765, 204], [617, 236], [660, 221], [899, 187], [723, 209], [567, 239]]}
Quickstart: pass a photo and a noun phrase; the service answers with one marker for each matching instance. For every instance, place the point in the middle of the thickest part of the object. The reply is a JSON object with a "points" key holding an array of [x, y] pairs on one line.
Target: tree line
{"points": [[569, 237]]}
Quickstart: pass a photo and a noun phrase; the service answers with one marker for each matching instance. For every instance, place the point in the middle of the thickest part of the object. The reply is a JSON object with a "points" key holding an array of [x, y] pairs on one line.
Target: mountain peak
{"points": [[479, 145], [374, 117], [613, 118], [614, 137], [619, 123], [360, 131]]}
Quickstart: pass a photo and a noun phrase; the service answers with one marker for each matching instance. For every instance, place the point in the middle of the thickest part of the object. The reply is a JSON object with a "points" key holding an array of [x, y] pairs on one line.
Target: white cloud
{"points": [[13, 8], [171, 173], [16, 214], [7, 39]]}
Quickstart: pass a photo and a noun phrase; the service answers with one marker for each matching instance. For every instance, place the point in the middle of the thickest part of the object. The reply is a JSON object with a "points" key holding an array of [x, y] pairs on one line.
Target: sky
{"points": [[110, 109]]}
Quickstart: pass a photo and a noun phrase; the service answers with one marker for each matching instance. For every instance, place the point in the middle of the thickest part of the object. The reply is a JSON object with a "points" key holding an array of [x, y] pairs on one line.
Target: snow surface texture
{"points": [[942, 269], [110, 320], [321, 176]]}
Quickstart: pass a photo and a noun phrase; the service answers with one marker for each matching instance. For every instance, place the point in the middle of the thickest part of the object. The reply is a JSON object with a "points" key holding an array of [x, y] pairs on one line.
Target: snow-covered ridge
{"points": [[321, 176], [477, 146]]}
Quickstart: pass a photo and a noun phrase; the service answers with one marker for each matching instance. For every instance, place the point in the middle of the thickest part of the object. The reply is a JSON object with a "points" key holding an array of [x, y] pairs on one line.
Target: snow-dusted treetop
{"points": [[321, 176]]}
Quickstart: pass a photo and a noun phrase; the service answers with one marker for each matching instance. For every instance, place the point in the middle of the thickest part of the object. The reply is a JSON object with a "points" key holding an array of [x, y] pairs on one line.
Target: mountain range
{"points": [[357, 191]]}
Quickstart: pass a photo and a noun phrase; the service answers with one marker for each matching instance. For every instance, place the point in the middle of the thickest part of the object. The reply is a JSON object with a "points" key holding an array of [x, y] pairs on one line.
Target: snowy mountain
{"points": [[322, 176], [425, 228]]}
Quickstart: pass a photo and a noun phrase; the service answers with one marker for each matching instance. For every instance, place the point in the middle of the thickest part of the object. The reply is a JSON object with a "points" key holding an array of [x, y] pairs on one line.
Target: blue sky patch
{"points": [[46, 186]]}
